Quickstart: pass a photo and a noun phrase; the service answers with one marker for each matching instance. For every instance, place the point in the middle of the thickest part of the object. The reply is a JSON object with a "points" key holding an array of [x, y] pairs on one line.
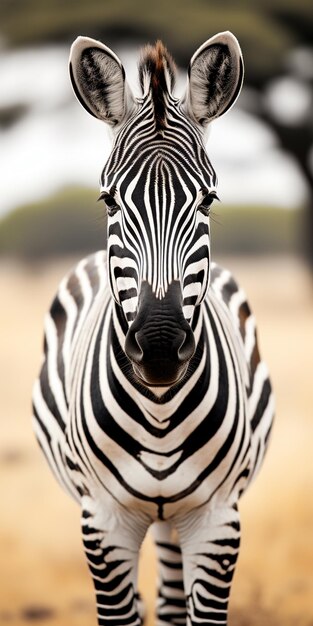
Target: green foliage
{"points": [[71, 222], [256, 230], [265, 29], [66, 223]]}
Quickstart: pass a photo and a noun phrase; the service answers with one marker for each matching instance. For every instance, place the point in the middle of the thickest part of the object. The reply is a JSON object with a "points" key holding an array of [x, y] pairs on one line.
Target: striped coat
{"points": [[153, 407]]}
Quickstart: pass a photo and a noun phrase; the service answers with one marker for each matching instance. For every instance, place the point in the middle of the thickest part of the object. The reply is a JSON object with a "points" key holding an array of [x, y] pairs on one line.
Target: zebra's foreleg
{"points": [[112, 556], [171, 603], [210, 547]]}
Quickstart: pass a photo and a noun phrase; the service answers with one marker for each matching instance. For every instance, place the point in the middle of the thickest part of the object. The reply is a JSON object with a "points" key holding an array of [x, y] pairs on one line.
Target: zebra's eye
{"points": [[206, 202], [110, 203]]}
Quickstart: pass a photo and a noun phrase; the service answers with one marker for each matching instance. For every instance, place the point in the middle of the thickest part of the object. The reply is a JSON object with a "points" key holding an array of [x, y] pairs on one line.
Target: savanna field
{"points": [[43, 574]]}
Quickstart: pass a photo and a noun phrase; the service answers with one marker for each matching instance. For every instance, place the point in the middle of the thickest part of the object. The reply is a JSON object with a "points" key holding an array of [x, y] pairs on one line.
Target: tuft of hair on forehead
{"points": [[157, 73]]}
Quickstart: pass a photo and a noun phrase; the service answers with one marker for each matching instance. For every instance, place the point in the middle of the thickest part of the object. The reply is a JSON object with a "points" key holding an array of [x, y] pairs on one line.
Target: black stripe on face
{"points": [[194, 278], [181, 144], [190, 300], [130, 316], [125, 272], [126, 294]]}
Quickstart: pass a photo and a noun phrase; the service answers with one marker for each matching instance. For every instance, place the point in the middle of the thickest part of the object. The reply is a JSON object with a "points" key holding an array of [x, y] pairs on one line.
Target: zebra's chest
{"points": [[180, 469], [177, 455]]}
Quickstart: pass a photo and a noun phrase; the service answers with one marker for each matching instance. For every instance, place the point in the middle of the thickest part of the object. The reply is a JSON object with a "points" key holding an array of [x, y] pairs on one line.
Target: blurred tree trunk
{"points": [[298, 141]]}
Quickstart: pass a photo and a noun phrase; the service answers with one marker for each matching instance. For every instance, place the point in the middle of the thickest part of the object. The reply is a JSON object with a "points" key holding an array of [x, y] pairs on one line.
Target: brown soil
{"points": [[43, 576]]}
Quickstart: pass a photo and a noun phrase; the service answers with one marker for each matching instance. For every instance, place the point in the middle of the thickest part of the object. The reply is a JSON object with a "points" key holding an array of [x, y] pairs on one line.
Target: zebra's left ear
{"points": [[98, 80], [215, 78]]}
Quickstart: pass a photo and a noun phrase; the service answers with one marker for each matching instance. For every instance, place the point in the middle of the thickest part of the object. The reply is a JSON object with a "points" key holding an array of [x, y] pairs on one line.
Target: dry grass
{"points": [[43, 576]]}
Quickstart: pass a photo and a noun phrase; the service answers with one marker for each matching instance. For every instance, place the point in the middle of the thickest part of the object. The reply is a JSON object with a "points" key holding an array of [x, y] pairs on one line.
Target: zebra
{"points": [[153, 406]]}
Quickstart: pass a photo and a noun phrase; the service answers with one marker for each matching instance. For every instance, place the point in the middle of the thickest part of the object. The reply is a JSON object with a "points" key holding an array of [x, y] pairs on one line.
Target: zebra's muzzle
{"points": [[160, 342], [160, 364], [158, 377]]}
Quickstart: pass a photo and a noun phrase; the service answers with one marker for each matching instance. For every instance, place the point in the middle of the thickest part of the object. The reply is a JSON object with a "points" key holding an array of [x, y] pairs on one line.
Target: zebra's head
{"points": [[158, 185]]}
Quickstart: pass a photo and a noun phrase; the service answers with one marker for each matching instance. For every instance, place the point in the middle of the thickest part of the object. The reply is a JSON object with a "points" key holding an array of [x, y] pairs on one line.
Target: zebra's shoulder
{"points": [[70, 308], [227, 290], [224, 284], [83, 282]]}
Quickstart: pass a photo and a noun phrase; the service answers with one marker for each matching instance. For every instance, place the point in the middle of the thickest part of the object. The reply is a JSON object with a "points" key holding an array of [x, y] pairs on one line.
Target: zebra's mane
{"points": [[157, 73]]}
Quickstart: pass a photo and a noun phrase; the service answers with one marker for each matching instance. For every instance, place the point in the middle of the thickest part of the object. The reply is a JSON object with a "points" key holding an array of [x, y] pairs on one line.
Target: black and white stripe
{"points": [[153, 407]]}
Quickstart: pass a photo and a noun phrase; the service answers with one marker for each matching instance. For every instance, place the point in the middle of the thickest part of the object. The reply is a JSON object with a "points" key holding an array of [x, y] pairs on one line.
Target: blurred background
{"points": [[51, 157]]}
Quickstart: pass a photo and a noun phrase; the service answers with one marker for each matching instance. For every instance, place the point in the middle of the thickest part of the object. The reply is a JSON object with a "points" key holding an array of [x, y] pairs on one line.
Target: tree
{"points": [[268, 33]]}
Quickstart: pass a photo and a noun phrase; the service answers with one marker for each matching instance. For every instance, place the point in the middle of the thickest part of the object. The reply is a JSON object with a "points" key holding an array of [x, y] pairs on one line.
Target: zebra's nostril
{"points": [[187, 347], [179, 349], [132, 347]]}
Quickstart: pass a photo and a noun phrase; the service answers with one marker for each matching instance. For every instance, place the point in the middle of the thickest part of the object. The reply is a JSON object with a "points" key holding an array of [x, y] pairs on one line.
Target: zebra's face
{"points": [[158, 226], [159, 251], [158, 185]]}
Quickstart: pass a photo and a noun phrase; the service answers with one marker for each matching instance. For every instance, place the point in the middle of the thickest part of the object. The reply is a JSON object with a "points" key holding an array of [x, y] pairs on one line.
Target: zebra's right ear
{"points": [[98, 80]]}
